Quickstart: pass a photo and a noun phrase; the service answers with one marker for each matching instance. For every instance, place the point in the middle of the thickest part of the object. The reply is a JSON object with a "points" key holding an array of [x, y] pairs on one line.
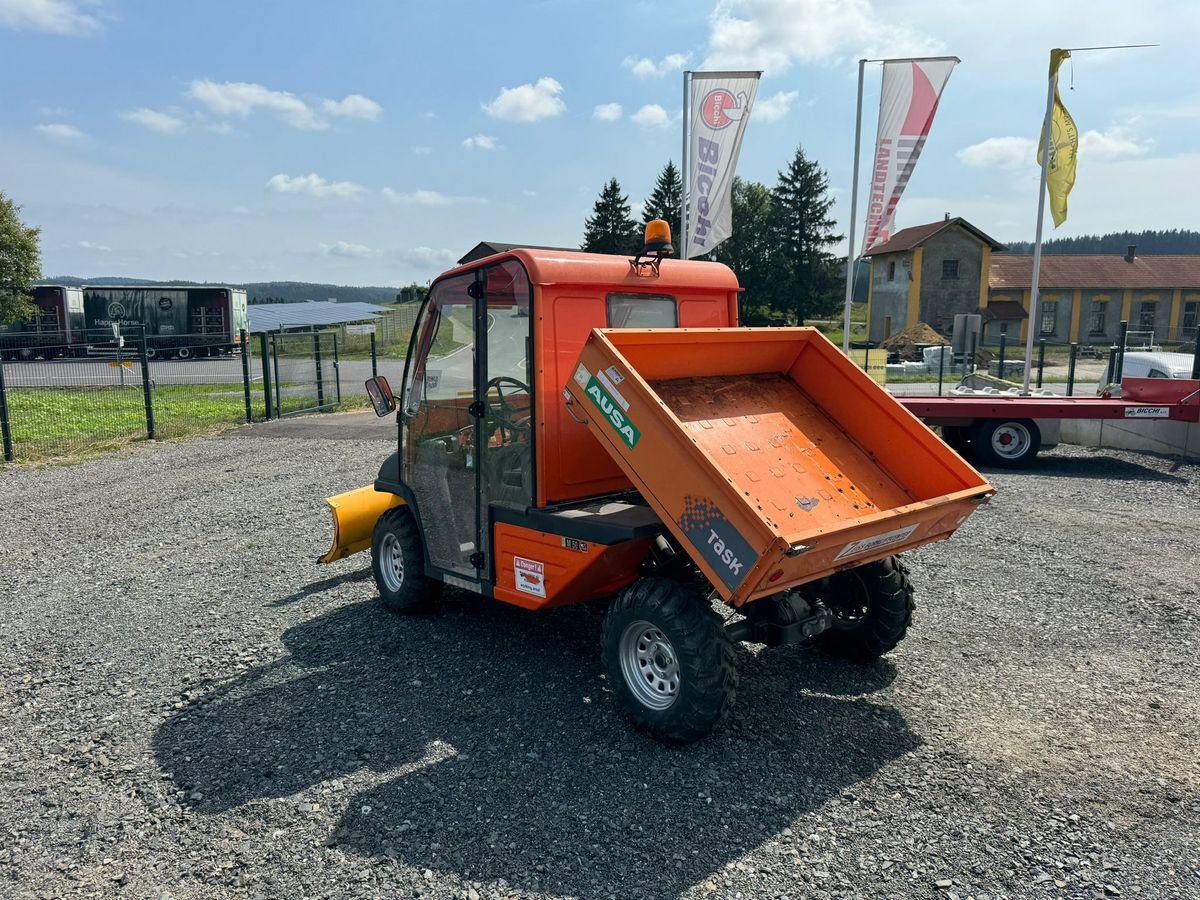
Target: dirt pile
{"points": [[908, 341]]}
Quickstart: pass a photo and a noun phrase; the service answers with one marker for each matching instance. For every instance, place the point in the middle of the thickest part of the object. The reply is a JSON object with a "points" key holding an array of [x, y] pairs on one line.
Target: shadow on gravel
{"points": [[1098, 467], [508, 758], [319, 587]]}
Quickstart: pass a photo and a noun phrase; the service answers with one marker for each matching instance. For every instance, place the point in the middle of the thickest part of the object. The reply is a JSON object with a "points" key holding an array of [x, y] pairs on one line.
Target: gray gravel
{"points": [[189, 707]]}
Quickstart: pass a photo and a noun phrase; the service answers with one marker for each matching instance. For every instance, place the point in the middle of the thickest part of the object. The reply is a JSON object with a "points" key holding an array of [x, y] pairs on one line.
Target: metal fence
{"points": [[63, 393]]}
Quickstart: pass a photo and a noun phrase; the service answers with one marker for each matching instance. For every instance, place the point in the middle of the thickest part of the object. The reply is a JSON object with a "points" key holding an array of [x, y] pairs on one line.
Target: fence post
{"points": [[974, 353], [1041, 360], [5, 425], [1003, 345], [1071, 369], [317, 359], [147, 392], [276, 339], [265, 362], [246, 374], [941, 367], [337, 370], [374, 359], [1120, 370]]}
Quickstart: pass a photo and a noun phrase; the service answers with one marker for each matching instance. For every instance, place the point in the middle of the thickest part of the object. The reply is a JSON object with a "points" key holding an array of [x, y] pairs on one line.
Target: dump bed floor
{"points": [[781, 450]]}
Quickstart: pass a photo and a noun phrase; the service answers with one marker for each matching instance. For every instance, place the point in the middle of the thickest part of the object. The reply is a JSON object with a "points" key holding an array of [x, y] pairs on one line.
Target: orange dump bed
{"points": [[771, 456]]}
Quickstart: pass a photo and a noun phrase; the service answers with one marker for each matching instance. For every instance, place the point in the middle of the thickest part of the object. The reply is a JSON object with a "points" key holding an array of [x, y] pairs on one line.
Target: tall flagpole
{"points": [[1035, 280], [850, 254], [684, 174], [1037, 241]]}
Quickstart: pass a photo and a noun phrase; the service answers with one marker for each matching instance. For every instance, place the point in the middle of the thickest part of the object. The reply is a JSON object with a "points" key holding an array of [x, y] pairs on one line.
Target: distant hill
{"points": [[1148, 243], [258, 291]]}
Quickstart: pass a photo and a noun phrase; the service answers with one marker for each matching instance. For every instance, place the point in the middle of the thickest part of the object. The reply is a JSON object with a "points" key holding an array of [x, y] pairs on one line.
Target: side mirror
{"points": [[381, 395]]}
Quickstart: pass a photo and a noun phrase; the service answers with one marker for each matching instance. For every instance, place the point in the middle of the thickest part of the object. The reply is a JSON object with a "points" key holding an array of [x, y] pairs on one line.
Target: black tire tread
{"points": [[705, 653], [418, 593], [890, 613]]}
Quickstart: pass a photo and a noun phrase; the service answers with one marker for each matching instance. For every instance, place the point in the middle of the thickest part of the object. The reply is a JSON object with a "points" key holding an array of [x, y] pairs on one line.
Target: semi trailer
{"points": [[179, 322]]}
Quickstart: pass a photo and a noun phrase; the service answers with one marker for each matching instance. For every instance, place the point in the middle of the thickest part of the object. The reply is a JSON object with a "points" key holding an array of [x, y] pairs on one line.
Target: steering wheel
{"points": [[505, 418]]}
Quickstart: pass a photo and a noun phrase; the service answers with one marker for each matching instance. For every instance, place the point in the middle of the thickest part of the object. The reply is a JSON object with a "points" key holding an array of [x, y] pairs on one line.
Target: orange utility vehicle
{"points": [[577, 427]]}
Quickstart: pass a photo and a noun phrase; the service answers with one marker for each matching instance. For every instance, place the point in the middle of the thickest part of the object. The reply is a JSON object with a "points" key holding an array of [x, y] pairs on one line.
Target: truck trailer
{"points": [[179, 322], [54, 329]]}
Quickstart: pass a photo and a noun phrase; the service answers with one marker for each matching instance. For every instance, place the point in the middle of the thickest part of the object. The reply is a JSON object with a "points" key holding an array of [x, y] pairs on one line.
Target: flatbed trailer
{"points": [[1002, 429]]}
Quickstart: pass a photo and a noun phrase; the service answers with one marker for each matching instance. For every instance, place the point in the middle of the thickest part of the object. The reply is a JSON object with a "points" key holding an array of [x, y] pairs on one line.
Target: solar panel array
{"points": [[276, 316]]}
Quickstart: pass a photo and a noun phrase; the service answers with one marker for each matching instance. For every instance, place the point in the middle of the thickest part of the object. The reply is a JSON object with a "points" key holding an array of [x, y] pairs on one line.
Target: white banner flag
{"points": [[719, 110], [907, 104]]}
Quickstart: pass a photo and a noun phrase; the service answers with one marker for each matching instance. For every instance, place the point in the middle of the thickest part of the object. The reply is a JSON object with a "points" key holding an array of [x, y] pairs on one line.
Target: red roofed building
{"points": [[929, 273]]}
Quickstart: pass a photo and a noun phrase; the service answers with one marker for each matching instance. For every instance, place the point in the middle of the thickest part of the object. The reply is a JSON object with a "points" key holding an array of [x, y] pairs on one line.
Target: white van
{"points": [[1148, 365]]}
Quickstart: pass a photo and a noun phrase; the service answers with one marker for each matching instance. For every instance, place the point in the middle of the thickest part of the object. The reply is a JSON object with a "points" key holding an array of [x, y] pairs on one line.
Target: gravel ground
{"points": [[189, 707]]}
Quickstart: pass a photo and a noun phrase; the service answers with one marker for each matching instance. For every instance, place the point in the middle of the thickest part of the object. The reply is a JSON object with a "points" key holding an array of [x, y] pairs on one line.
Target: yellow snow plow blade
{"points": [[354, 516]]}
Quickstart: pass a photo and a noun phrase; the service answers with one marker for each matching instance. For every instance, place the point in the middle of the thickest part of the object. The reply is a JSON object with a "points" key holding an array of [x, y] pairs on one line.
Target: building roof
{"points": [[1098, 271], [1004, 310], [491, 248], [910, 238], [276, 316]]}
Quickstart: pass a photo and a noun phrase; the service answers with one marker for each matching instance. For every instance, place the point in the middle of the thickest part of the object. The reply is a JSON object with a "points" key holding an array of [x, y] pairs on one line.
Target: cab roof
{"points": [[571, 267]]}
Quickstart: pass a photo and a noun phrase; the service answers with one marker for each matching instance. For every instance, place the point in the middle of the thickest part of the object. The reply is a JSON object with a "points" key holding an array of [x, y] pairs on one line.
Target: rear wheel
{"points": [[184, 352], [398, 563], [1006, 442], [668, 660], [872, 607]]}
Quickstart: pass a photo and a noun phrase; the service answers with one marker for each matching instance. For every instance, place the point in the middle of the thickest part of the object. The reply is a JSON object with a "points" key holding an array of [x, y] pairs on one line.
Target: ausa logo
{"points": [[613, 413]]}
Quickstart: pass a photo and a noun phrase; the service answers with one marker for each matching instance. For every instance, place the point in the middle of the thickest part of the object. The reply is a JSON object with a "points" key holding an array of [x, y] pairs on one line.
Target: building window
{"points": [[949, 269], [1148, 311], [1049, 316], [892, 270], [1099, 317], [887, 325], [1191, 314]]}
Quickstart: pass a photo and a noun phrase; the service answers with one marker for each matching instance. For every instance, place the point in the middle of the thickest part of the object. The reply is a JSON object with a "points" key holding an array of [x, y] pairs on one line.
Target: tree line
{"points": [[1174, 241], [780, 246]]}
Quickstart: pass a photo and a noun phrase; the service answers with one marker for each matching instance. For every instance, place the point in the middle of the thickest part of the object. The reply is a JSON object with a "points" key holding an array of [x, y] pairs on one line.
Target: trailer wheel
{"points": [[398, 563], [668, 660], [872, 607], [151, 352], [184, 352], [1007, 443]]}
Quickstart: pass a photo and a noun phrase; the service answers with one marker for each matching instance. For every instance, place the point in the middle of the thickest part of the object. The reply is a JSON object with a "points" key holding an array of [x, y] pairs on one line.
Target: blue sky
{"points": [[374, 142]]}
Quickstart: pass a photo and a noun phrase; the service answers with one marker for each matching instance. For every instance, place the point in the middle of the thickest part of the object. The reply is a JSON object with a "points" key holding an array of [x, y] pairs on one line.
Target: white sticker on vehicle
{"points": [[582, 376], [875, 542], [613, 375], [612, 390], [1147, 412], [530, 575]]}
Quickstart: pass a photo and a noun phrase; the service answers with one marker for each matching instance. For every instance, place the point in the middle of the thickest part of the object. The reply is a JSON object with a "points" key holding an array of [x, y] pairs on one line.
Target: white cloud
{"points": [[429, 115], [480, 142], [528, 102], [1021, 153], [607, 112], [313, 185], [54, 16], [772, 35], [648, 68], [239, 98], [427, 198], [163, 123], [651, 116], [59, 131], [98, 248], [1000, 153], [354, 106], [428, 257], [351, 251], [421, 151], [774, 108]]}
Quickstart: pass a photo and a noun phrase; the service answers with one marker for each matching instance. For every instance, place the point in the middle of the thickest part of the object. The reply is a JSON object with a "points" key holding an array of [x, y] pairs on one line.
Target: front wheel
{"points": [[668, 660], [398, 563], [1008, 443], [872, 607]]}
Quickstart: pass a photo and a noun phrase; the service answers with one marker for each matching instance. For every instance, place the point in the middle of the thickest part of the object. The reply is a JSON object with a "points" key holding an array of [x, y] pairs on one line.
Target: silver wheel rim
{"points": [[1011, 440], [649, 665], [391, 563]]}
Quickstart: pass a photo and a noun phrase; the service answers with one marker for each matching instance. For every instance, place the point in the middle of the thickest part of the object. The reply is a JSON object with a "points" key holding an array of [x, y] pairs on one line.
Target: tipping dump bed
{"points": [[768, 453]]}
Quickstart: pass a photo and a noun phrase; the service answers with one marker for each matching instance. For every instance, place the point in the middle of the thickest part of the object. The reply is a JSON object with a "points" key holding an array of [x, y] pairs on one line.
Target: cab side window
{"points": [[642, 311]]}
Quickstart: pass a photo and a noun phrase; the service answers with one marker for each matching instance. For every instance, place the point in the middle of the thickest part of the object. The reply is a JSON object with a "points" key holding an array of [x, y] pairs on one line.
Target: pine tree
{"points": [[20, 263], [806, 277], [666, 201], [611, 228]]}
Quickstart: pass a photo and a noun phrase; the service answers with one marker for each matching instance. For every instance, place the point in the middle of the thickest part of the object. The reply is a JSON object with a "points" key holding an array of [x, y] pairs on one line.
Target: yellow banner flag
{"points": [[1064, 147]]}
